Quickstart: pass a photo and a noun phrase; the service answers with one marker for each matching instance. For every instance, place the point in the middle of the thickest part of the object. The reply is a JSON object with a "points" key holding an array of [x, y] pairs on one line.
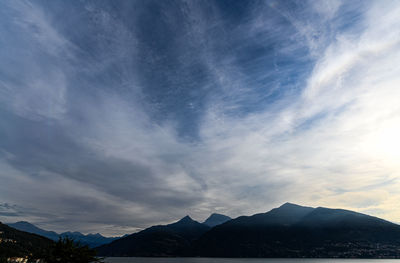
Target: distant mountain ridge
{"points": [[287, 231], [92, 240]]}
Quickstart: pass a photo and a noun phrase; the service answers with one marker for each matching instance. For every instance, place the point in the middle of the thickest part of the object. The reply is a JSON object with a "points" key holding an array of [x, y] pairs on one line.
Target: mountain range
{"points": [[95, 240], [23, 239], [163, 240], [92, 240], [287, 231]]}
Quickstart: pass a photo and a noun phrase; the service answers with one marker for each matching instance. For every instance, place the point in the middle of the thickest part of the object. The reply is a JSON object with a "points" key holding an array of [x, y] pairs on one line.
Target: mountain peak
{"points": [[288, 205], [25, 226], [94, 235], [23, 223], [216, 219], [72, 234], [31, 228], [285, 215], [216, 215], [186, 219]]}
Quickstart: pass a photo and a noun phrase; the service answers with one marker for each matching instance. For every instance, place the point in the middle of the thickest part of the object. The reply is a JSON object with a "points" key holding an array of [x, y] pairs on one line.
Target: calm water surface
{"points": [[229, 260]]}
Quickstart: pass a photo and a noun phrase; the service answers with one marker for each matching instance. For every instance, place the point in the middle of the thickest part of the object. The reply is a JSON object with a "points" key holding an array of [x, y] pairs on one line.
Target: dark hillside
{"points": [[15, 243]]}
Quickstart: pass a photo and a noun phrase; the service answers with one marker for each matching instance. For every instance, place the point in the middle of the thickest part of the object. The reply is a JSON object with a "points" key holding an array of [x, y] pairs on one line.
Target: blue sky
{"points": [[117, 115]]}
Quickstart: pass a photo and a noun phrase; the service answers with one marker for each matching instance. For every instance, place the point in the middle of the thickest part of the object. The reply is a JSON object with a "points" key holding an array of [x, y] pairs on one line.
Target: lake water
{"points": [[241, 260]]}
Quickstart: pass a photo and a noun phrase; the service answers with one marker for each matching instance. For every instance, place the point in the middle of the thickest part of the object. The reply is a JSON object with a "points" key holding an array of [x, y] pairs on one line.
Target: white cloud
{"points": [[34, 82], [351, 105], [39, 97], [326, 8], [333, 143]]}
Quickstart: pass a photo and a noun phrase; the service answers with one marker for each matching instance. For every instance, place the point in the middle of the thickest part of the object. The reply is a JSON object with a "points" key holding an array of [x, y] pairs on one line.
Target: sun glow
{"points": [[388, 141]]}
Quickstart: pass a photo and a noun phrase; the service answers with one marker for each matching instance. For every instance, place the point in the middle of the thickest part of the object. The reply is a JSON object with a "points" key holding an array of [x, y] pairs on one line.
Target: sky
{"points": [[118, 115]]}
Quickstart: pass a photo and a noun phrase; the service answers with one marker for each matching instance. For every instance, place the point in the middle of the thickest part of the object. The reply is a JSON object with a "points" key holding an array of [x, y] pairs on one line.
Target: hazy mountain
{"points": [[92, 240], [216, 219], [16, 243], [296, 231], [30, 228], [163, 240]]}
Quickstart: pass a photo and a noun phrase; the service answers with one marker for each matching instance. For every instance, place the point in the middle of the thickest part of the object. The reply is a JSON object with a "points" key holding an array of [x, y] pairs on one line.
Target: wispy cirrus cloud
{"points": [[330, 135], [113, 122], [33, 79]]}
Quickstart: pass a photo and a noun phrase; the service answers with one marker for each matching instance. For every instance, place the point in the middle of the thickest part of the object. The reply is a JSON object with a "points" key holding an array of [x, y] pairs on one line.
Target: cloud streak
{"points": [[126, 115]]}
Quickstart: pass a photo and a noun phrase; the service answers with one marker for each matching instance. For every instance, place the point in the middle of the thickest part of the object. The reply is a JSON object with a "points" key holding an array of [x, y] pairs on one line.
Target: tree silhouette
{"points": [[66, 250]]}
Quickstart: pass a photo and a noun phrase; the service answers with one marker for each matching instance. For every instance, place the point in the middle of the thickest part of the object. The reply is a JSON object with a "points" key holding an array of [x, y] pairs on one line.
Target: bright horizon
{"points": [[119, 115]]}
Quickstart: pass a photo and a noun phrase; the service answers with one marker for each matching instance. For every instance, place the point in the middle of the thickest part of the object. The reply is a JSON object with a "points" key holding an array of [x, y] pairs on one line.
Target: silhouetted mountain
{"points": [[216, 219], [16, 243], [156, 241], [287, 231], [296, 231], [286, 214], [30, 228], [92, 240]]}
